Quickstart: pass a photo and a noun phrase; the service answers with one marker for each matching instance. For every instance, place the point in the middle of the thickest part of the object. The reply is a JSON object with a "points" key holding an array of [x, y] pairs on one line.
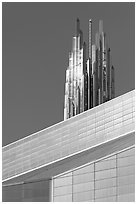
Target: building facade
{"points": [[89, 157], [89, 80], [110, 179]]}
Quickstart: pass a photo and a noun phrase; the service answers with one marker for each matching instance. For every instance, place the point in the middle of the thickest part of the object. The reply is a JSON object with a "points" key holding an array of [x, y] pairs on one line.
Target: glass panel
{"points": [[12, 193]]}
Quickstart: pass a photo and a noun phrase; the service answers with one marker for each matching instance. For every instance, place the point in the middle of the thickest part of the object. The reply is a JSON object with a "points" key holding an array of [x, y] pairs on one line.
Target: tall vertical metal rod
{"points": [[90, 40], [90, 91]]}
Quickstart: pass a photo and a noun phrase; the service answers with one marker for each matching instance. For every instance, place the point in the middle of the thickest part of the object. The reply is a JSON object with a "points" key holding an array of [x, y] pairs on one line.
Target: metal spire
{"points": [[90, 40]]}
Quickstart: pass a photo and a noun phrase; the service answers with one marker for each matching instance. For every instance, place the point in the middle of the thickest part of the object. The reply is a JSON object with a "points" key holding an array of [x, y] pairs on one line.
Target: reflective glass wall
{"points": [[111, 179], [38, 191]]}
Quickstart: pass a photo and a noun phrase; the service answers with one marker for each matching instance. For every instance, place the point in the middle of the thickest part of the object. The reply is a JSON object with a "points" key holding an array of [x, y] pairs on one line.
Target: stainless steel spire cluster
{"points": [[89, 81]]}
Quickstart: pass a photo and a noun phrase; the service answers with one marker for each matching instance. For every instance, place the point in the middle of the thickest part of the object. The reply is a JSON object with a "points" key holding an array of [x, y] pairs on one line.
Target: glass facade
{"points": [[111, 179], [36, 190], [105, 122]]}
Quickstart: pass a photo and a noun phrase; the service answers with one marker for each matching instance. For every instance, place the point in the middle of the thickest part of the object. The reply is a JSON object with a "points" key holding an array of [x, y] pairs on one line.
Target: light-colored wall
{"points": [[111, 179], [84, 131]]}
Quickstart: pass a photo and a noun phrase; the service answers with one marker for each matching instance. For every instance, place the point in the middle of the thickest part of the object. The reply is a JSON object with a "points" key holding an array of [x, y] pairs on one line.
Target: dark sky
{"points": [[36, 40]]}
